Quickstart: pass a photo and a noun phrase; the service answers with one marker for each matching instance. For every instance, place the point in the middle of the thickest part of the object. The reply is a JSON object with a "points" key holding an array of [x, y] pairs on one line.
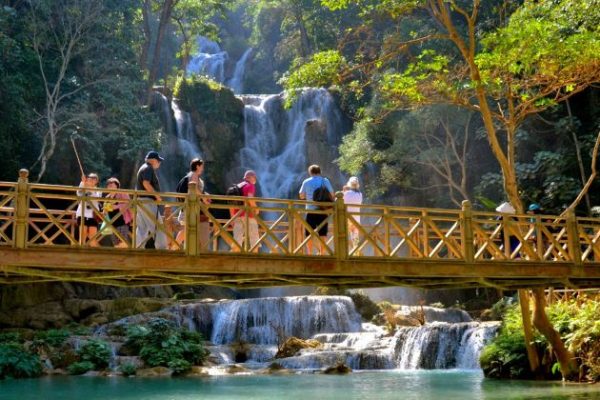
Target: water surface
{"points": [[381, 385]]}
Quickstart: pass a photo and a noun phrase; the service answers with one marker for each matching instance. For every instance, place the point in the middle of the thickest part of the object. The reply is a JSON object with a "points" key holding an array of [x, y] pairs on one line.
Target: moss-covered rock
{"points": [[339, 369], [293, 345]]}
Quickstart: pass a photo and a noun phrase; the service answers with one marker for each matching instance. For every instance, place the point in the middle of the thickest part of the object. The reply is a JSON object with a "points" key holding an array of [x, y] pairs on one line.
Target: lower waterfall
{"points": [[249, 331]]}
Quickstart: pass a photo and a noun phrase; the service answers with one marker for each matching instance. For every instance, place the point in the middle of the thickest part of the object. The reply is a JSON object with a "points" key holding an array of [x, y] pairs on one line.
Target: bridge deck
{"points": [[367, 246]]}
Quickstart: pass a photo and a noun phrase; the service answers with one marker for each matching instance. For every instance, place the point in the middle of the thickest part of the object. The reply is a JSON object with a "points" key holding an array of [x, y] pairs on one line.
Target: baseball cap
{"points": [[154, 155]]}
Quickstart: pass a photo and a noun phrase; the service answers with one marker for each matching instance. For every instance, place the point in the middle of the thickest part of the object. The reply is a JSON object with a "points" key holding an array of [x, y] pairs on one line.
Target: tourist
{"points": [[148, 219], [118, 214], [87, 218], [317, 221], [353, 195], [247, 188], [513, 241], [194, 175]]}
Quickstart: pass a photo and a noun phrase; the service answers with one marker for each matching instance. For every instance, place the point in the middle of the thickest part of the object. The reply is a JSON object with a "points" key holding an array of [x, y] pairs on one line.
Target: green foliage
{"points": [[322, 70], [16, 362], [575, 319], [80, 367], [53, 337], [366, 307], [128, 369], [96, 352], [10, 337], [160, 343]]}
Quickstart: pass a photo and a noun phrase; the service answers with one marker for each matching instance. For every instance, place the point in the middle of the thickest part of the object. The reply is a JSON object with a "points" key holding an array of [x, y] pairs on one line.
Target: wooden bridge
{"points": [[41, 241]]}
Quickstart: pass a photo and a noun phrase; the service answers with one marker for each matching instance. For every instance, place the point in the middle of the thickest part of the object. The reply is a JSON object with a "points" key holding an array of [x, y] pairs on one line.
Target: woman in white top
{"points": [[353, 195], [87, 217]]}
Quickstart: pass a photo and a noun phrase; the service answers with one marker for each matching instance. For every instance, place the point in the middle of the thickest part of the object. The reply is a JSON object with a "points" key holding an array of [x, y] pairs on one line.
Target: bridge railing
{"points": [[34, 215]]}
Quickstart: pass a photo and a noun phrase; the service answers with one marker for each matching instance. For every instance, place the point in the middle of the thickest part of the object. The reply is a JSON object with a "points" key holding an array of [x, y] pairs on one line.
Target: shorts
{"points": [[314, 220], [123, 231], [90, 222]]}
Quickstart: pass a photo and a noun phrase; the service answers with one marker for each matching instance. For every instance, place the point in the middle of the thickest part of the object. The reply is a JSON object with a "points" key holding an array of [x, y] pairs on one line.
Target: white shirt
{"points": [[353, 197], [89, 212]]}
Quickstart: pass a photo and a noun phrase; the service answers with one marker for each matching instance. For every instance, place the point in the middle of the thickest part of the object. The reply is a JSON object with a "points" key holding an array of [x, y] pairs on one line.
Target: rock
{"points": [[293, 345], [338, 369], [237, 369], [154, 372], [276, 369], [197, 370], [82, 308]]}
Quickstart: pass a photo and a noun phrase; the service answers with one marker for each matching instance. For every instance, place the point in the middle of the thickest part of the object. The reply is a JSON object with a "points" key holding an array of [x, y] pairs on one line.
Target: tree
{"points": [[544, 54], [60, 32]]}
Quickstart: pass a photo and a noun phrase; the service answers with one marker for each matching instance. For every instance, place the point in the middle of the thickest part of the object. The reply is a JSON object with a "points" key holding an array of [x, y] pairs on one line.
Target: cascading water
{"points": [[275, 138], [181, 143], [210, 60], [236, 83], [260, 325]]}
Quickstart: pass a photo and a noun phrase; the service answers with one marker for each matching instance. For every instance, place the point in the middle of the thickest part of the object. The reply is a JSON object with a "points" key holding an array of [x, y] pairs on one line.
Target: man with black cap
{"points": [[148, 220]]}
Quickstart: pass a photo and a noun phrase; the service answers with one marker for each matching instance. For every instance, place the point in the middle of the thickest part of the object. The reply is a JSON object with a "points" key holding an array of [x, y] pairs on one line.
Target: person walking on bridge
{"points": [[148, 219], [247, 188], [317, 221]]}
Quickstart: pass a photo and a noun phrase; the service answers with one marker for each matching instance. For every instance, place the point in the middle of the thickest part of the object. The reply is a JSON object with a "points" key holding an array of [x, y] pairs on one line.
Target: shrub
{"points": [[16, 362], [53, 337], [128, 369], [80, 367], [10, 337], [96, 352], [364, 305], [162, 344]]}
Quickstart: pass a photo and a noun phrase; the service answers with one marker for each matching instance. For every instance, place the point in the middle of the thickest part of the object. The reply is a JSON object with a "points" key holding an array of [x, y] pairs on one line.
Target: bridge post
{"points": [[191, 220], [467, 232], [341, 228], [573, 238], [22, 210]]}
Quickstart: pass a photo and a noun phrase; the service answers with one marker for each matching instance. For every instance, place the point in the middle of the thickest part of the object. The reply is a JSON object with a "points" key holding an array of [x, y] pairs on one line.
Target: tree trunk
{"points": [[532, 355], [165, 16], [146, 13], [568, 367], [579, 157]]}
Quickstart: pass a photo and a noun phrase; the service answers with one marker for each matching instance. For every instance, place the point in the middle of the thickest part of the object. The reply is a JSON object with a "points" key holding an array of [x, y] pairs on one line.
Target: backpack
{"points": [[322, 194], [235, 190], [182, 186]]}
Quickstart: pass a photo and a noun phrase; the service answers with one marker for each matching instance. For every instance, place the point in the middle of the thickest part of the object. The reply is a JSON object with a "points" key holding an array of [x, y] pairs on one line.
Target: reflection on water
{"points": [[405, 385]]}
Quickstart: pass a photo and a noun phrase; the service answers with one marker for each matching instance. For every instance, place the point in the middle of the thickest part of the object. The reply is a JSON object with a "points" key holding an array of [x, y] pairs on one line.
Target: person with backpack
{"points": [[316, 188], [246, 188], [148, 218], [194, 175]]}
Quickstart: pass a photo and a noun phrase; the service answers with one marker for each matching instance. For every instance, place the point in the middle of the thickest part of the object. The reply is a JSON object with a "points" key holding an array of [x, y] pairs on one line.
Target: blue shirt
{"points": [[310, 185]]}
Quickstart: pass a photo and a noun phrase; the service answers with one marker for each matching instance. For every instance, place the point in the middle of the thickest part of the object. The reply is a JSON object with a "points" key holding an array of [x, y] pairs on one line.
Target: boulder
{"points": [[154, 372], [237, 369], [293, 345], [339, 369]]}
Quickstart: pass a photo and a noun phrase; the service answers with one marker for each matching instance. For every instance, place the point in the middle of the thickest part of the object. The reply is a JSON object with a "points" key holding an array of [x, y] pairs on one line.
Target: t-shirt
{"points": [[147, 173], [310, 185], [352, 196], [90, 205], [248, 190]]}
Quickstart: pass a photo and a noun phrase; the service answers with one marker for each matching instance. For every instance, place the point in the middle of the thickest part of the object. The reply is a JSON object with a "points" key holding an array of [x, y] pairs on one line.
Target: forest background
{"points": [[86, 69]]}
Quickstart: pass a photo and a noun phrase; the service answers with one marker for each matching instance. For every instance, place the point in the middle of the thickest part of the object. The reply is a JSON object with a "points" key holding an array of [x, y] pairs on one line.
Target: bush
{"points": [[96, 352], [128, 369], [80, 367], [364, 305], [10, 337], [16, 362], [162, 344], [52, 337]]}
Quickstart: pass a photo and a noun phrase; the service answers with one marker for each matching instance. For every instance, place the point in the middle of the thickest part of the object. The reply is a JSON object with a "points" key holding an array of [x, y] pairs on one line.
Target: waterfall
{"points": [[181, 144], [442, 345], [275, 138], [236, 83], [268, 320], [210, 60], [250, 330]]}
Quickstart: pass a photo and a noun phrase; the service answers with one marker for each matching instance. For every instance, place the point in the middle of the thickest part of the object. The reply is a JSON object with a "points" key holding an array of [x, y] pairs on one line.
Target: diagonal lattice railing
{"points": [[36, 215]]}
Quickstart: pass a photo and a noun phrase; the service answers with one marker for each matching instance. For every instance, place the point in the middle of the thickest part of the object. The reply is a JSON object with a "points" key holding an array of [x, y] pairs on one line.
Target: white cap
{"points": [[506, 208], [353, 182]]}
